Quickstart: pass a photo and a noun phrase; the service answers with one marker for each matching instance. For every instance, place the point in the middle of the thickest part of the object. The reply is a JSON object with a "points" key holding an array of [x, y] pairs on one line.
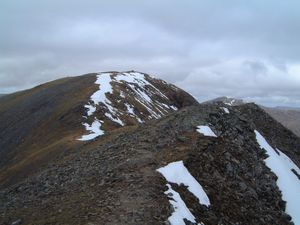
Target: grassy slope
{"points": [[38, 124]]}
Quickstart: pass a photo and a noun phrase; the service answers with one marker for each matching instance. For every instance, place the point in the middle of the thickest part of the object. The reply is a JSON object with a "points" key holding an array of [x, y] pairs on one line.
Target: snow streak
{"points": [[177, 173], [142, 91], [287, 182]]}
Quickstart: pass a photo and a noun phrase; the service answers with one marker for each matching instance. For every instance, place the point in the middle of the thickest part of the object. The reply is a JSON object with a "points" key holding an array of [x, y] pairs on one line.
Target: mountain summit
{"points": [[128, 98], [127, 148]]}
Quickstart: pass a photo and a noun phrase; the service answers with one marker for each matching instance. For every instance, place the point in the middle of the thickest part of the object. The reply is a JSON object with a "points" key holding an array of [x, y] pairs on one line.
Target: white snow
{"points": [[225, 110], [287, 181], [181, 211], [174, 107], [230, 103], [137, 82], [177, 173], [91, 109], [94, 129], [129, 109], [206, 131], [138, 78], [103, 79], [122, 95], [113, 118]]}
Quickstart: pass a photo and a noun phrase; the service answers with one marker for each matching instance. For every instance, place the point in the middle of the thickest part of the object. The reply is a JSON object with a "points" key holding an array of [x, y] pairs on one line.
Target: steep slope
{"points": [[290, 118], [40, 124], [136, 175], [37, 124]]}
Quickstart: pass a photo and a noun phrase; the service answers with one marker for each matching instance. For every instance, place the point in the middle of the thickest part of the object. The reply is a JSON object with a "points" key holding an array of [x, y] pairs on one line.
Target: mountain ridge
{"points": [[36, 123], [116, 177], [287, 116]]}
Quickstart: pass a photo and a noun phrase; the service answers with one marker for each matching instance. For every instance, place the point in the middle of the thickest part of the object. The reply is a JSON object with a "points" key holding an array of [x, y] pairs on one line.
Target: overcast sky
{"points": [[244, 49]]}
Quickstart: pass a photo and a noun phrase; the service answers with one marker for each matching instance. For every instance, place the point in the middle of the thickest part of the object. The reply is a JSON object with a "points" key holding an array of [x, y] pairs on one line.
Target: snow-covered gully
{"points": [[287, 182], [177, 173]]}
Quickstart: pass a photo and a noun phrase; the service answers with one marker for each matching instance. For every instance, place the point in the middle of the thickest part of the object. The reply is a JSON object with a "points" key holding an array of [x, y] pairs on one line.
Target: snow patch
{"points": [[206, 131], [129, 109], [95, 130], [91, 109], [137, 82], [287, 182], [177, 173], [181, 211], [103, 79], [225, 110], [174, 107], [122, 95], [230, 103], [115, 119]]}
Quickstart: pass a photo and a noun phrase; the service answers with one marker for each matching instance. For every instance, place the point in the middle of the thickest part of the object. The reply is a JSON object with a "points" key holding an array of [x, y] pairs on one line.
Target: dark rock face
{"points": [[287, 116], [113, 180]]}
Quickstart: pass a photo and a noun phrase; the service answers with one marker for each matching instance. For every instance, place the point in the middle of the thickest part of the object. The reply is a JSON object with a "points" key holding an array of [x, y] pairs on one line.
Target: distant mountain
{"points": [[1, 95], [287, 108], [226, 100], [120, 148]]}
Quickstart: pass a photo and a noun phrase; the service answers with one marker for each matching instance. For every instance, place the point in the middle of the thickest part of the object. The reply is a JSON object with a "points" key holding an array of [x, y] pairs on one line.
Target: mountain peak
{"points": [[127, 98]]}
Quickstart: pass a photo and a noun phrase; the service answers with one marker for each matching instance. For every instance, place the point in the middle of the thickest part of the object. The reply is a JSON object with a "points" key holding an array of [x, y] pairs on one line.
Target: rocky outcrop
{"points": [[287, 116]]}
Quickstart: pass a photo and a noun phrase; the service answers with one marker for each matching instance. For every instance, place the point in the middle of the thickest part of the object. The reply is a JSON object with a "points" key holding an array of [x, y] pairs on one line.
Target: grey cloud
{"points": [[261, 81], [210, 48]]}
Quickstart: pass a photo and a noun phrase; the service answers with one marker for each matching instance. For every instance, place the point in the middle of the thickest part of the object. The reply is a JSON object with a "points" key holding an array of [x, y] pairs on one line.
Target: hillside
{"points": [[153, 156], [288, 117], [39, 124]]}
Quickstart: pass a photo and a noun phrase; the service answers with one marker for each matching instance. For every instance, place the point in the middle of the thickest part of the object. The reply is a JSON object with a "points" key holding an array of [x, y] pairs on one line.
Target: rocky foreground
{"points": [[114, 179]]}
